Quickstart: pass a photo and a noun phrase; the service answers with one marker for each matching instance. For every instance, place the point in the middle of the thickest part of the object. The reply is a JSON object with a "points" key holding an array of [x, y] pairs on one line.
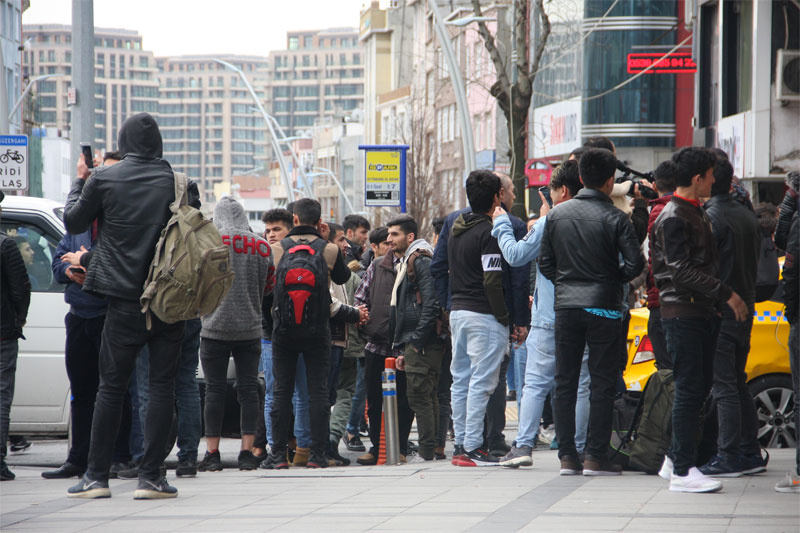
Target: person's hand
{"points": [[324, 230], [545, 206], [530, 302], [75, 275], [74, 258], [519, 335], [363, 314], [498, 211], [400, 362], [83, 170], [736, 303], [636, 191]]}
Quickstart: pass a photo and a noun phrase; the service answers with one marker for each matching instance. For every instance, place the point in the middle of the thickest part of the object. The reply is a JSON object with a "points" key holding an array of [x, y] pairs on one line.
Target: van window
{"points": [[38, 249]]}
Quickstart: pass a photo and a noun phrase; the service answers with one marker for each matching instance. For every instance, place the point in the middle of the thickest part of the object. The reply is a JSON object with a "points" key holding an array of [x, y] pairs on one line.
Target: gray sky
{"points": [[177, 27]]}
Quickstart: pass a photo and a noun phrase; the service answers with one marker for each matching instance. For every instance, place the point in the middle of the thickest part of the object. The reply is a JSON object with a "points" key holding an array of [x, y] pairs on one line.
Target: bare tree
{"points": [[514, 99]]}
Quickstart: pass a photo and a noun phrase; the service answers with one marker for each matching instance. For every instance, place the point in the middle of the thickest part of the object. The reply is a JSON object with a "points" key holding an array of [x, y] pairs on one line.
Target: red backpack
{"points": [[301, 305]]}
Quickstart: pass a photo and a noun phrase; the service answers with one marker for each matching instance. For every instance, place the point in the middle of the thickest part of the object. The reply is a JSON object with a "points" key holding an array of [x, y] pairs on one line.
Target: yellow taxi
{"points": [[768, 375]]}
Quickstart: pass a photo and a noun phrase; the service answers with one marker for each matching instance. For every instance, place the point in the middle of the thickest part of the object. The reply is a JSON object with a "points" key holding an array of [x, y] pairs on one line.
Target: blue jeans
{"points": [[511, 373], [691, 342], [520, 360], [540, 375], [302, 424], [358, 401], [479, 346]]}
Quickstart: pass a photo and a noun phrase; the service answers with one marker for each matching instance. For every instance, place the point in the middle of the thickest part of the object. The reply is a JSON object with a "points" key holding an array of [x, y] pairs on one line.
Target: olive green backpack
{"points": [[191, 270]]}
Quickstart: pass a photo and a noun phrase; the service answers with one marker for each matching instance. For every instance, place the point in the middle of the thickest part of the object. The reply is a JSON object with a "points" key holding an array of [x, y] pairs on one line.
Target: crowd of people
{"points": [[317, 307]]}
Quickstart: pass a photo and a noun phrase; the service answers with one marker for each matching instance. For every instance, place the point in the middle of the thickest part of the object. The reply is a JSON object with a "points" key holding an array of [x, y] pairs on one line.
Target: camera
{"points": [[636, 177]]}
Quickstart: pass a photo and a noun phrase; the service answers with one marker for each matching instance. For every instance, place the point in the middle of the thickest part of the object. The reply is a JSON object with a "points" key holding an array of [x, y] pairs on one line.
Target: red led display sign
{"points": [[674, 63]]}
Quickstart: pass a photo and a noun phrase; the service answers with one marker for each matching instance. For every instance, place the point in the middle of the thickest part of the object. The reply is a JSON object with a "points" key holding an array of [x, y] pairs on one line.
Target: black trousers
{"points": [[575, 328], [317, 357], [124, 334], [81, 356], [373, 371], [495, 421], [658, 339], [445, 380]]}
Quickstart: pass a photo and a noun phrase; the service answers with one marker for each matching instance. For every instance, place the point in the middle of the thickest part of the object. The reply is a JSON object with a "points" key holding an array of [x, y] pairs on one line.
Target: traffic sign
{"points": [[13, 162], [385, 175]]}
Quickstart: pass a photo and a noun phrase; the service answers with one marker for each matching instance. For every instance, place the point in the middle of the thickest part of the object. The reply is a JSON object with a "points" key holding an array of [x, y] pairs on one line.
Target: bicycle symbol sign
{"points": [[13, 162]]}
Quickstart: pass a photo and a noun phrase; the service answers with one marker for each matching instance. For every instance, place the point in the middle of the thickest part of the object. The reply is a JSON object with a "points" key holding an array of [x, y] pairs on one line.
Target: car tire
{"points": [[774, 401]]}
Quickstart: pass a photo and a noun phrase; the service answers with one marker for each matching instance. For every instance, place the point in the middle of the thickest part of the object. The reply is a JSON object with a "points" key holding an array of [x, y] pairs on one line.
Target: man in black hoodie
{"points": [[131, 202], [479, 318]]}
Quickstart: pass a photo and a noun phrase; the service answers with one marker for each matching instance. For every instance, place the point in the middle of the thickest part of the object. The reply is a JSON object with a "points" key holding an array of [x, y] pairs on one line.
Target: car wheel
{"points": [[774, 401]]}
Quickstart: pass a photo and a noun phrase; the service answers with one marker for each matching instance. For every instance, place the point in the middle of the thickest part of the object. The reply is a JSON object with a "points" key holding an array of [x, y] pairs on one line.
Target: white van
{"points": [[42, 394]]}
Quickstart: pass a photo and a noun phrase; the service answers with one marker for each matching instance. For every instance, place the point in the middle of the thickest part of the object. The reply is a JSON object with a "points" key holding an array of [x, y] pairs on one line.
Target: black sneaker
{"points": [[481, 457], [5, 473], [186, 468], [499, 448], [720, 466], [89, 489], [19, 445], [154, 490], [275, 461], [412, 448], [571, 466], [333, 454], [116, 468], [247, 461], [130, 473], [317, 461], [354, 444], [754, 463], [210, 463], [65, 471]]}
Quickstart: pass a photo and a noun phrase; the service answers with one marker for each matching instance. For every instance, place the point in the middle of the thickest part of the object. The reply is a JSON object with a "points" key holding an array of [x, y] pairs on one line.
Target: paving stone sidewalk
{"points": [[419, 496]]}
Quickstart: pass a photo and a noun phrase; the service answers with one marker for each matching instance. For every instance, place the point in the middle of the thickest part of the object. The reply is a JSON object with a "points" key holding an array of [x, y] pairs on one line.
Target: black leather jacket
{"points": [[581, 248], [15, 289], [791, 285], [131, 202], [686, 262], [414, 321]]}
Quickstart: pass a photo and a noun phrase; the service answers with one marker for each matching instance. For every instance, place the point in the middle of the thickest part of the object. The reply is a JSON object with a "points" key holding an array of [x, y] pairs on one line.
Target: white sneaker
{"points": [[666, 469], [693, 481], [791, 483]]}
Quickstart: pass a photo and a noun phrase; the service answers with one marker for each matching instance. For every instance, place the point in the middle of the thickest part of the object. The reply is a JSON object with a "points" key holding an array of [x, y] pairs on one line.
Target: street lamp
{"points": [[28, 89], [463, 21], [467, 141], [275, 146]]}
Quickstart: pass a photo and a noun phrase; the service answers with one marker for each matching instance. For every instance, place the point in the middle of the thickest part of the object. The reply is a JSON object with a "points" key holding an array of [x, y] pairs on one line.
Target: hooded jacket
{"points": [[476, 271], [131, 201], [416, 307], [238, 316]]}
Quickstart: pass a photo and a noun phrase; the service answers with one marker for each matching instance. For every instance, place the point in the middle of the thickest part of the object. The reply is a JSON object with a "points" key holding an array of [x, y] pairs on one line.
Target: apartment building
{"points": [[319, 75], [206, 117], [125, 77]]}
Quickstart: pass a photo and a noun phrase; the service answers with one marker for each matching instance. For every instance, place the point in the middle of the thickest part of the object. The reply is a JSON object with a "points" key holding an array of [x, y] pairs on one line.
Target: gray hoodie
{"points": [[238, 316]]}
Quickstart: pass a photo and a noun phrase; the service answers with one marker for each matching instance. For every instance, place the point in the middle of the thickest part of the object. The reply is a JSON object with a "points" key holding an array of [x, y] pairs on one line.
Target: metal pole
{"points": [[82, 125], [300, 170], [391, 431], [339, 185], [275, 146], [4, 120], [458, 87], [27, 90]]}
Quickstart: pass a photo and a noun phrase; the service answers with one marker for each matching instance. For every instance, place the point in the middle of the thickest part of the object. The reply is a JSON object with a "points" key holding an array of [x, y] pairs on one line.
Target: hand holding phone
{"points": [[545, 190], [86, 150]]}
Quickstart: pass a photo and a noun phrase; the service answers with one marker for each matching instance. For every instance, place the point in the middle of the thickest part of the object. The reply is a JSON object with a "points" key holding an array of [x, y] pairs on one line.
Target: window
{"points": [[294, 43], [38, 247]]}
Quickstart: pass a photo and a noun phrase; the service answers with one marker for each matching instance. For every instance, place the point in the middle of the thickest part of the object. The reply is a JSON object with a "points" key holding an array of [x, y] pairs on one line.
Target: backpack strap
{"points": [[181, 187], [410, 274]]}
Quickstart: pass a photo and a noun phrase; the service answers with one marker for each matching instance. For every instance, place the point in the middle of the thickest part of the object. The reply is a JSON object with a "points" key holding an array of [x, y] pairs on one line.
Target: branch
{"points": [[494, 53], [542, 39]]}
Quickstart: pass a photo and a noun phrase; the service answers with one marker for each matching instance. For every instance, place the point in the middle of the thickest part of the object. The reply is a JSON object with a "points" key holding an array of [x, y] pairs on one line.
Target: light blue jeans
{"points": [[540, 372], [479, 345], [302, 422], [519, 361]]}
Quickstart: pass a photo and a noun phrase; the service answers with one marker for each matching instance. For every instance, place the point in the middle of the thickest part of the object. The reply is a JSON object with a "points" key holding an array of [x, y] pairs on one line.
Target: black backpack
{"points": [[301, 304], [767, 278]]}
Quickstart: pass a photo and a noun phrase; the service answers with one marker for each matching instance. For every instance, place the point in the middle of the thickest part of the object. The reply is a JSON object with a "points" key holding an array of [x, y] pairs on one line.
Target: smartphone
{"points": [[545, 190], [86, 150], [78, 269]]}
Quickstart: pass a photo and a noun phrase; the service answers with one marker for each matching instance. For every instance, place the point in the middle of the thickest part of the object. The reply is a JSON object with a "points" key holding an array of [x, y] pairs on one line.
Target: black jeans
{"points": [[794, 364], [691, 342], [81, 356], [214, 356], [655, 331], [9, 350], [736, 411], [373, 374], [575, 328], [124, 334], [445, 380], [317, 357], [495, 421]]}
